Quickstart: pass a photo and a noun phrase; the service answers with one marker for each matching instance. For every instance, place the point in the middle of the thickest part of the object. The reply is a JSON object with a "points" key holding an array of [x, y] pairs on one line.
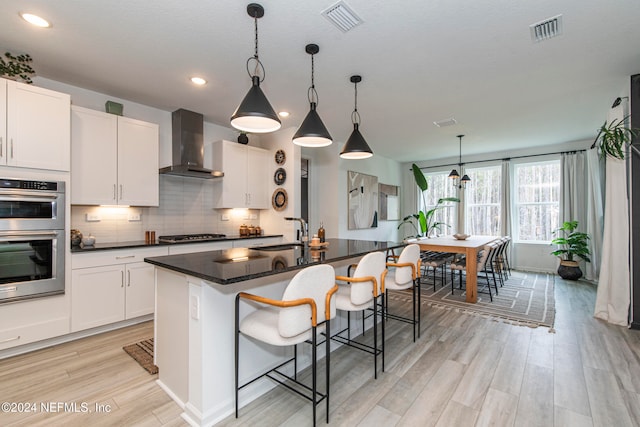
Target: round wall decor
{"points": [[280, 176], [279, 199], [280, 157]]}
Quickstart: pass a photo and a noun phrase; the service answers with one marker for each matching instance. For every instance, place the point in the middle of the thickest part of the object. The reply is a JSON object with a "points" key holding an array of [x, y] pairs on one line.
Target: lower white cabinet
{"points": [[260, 241], [111, 286]]}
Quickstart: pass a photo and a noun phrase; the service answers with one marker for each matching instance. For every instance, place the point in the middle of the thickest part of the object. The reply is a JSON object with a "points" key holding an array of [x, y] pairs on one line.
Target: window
{"points": [[440, 186], [536, 200], [482, 199]]}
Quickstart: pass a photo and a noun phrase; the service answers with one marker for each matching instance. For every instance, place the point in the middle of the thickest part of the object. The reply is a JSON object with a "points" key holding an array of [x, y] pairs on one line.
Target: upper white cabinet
{"points": [[114, 159], [34, 127], [246, 178]]}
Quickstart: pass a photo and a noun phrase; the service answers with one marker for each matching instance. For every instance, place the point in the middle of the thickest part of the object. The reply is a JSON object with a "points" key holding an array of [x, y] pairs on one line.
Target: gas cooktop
{"points": [[182, 238]]}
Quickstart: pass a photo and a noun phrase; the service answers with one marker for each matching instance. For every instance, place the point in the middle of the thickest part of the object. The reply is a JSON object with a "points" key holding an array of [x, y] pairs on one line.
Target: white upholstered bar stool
{"points": [[405, 274], [306, 308], [359, 292]]}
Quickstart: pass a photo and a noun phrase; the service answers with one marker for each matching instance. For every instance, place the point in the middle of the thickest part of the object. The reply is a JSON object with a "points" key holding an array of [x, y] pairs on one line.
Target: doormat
{"points": [[142, 352], [525, 299]]}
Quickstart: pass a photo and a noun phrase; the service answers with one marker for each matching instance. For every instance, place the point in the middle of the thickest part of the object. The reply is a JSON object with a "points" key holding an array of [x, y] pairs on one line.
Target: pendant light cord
{"points": [[460, 152], [258, 66], [312, 94], [355, 116]]}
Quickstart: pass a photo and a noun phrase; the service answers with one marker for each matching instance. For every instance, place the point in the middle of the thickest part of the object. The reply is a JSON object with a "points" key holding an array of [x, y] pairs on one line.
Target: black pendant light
{"points": [[312, 132], [455, 176], [356, 147], [255, 114]]}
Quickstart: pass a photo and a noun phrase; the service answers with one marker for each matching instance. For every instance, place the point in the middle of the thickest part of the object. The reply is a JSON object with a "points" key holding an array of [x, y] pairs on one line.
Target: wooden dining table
{"points": [[469, 247]]}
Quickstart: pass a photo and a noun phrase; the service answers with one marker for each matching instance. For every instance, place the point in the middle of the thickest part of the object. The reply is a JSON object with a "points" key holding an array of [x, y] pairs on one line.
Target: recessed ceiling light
{"points": [[198, 81], [35, 20], [283, 114]]}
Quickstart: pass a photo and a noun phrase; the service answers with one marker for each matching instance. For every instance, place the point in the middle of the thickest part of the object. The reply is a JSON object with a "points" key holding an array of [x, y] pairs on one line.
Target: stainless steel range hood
{"points": [[187, 144]]}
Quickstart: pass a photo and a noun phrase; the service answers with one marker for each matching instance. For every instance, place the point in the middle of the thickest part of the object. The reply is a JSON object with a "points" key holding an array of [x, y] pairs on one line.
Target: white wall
{"points": [[327, 189]]}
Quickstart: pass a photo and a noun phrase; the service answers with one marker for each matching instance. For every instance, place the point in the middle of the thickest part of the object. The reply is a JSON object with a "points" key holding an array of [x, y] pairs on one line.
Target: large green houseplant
{"points": [[426, 220], [572, 245], [614, 137]]}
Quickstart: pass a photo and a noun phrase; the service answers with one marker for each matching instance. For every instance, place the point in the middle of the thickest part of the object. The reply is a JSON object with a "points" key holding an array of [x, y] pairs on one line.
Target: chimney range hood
{"points": [[187, 146]]}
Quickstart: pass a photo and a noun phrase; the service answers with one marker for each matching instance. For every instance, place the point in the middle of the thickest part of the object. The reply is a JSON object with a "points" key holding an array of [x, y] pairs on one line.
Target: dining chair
{"points": [[307, 306], [361, 291], [434, 260], [404, 274], [460, 265]]}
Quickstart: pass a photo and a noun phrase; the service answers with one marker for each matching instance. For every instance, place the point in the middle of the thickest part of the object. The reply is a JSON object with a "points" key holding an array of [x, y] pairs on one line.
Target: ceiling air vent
{"points": [[445, 122], [342, 16], [546, 29]]}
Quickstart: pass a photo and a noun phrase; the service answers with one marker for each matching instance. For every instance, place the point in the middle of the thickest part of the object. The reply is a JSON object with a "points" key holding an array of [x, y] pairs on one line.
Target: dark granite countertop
{"points": [[239, 264], [142, 244]]}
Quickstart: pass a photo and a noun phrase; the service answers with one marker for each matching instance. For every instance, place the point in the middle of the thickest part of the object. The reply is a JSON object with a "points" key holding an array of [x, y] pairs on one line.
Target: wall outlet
{"points": [[195, 307], [224, 217], [253, 216], [134, 216], [92, 217]]}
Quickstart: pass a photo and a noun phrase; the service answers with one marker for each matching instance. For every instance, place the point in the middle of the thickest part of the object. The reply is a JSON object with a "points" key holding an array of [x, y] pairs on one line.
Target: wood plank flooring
{"points": [[465, 370]]}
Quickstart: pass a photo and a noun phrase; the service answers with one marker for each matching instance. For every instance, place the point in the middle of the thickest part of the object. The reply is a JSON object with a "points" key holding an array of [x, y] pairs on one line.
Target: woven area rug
{"points": [[525, 299], [142, 352]]}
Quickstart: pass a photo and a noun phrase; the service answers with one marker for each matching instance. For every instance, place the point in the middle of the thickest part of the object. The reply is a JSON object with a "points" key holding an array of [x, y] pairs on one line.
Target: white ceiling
{"points": [[421, 61]]}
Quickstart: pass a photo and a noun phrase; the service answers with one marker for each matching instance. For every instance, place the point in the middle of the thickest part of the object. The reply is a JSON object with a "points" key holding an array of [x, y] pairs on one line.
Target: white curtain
{"points": [[573, 189], [595, 212], [614, 286], [505, 203]]}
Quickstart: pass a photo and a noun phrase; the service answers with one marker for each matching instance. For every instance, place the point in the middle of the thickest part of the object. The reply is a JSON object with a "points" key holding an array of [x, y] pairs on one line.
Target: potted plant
{"points": [[16, 67], [572, 244], [426, 220], [614, 137]]}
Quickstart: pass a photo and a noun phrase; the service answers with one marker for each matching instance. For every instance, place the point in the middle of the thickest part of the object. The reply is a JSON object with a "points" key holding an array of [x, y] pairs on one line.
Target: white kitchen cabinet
{"points": [[114, 160], [189, 248], [111, 286], [261, 241], [34, 127], [246, 176]]}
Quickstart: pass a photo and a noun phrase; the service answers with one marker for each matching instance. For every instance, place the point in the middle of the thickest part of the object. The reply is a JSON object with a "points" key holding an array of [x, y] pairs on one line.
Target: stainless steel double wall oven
{"points": [[32, 239]]}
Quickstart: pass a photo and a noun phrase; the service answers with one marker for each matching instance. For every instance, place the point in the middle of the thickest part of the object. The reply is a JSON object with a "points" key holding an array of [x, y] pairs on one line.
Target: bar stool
{"points": [[358, 293], [405, 274], [307, 307]]}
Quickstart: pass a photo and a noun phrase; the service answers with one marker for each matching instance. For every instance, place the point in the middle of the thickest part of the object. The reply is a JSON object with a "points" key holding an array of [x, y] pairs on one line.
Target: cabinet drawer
{"points": [[34, 332], [189, 248], [262, 241], [120, 256]]}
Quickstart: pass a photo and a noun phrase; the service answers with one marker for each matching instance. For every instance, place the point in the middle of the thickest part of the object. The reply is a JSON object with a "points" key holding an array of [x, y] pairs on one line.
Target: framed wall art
{"points": [[388, 202], [362, 193]]}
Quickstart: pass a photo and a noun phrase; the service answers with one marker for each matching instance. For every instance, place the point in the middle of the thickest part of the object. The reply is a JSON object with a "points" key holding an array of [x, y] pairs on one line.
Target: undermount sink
{"points": [[282, 247]]}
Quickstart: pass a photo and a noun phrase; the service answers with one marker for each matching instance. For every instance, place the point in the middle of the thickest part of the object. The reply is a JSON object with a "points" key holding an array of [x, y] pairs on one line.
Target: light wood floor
{"points": [[464, 371]]}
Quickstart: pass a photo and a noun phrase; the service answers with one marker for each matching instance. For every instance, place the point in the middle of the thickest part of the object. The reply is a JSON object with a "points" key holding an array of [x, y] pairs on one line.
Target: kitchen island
{"points": [[194, 321]]}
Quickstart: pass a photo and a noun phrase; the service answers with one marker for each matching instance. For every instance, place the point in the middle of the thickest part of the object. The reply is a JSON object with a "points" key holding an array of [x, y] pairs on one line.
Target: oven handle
{"points": [[36, 197], [5, 235]]}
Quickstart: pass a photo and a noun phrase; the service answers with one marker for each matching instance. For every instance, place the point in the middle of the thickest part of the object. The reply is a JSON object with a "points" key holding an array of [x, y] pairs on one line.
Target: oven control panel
{"points": [[29, 185]]}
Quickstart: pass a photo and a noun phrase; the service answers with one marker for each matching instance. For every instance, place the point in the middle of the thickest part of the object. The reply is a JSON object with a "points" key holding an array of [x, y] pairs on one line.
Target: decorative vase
{"points": [[569, 270]]}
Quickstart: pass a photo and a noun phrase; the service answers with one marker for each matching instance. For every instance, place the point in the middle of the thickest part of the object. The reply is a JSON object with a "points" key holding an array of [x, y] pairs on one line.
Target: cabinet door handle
{"points": [[122, 279], [114, 191], [12, 148], [1, 144], [120, 191], [128, 278], [10, 339], [125, 256]]}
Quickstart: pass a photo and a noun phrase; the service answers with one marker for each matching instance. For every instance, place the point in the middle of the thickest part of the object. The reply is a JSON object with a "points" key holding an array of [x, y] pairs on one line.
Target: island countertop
{"points": [[240, 264]]}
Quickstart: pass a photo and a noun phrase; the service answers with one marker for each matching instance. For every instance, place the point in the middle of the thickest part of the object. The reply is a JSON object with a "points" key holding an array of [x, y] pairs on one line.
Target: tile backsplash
{"points": [[186, 207]]}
